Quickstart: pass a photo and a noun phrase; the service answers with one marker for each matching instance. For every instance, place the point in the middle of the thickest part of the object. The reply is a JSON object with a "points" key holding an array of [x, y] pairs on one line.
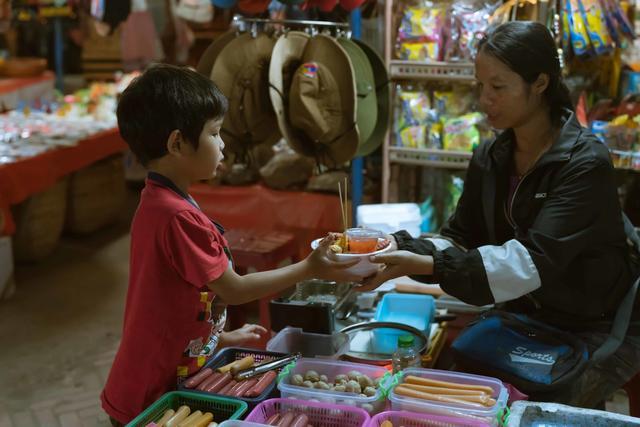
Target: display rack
{"points": [[399, 70], [410, 70], [430, 157], [351, 29]]}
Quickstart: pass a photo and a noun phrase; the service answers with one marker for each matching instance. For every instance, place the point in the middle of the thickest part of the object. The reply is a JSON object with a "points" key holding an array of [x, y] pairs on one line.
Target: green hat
{"points": [[366, 104], [382, 97]]}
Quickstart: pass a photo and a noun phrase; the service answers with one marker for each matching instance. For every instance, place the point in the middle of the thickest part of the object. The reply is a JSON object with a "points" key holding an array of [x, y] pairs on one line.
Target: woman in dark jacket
{"points": [[539, 226]]}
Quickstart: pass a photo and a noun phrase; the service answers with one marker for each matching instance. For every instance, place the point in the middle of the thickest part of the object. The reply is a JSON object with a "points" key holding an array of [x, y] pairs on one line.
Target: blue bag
{"points": [[533, 356]]}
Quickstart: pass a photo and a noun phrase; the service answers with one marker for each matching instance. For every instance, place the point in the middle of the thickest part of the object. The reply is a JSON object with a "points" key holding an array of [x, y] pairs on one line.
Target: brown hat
{"points": [[322, 102], [210, 55], [285, 60], [241, 73]]}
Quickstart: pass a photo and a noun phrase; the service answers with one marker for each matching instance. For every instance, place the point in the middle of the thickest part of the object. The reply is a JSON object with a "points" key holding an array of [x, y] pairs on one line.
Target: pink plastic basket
{"points": [[411, 419], [320, 414]]}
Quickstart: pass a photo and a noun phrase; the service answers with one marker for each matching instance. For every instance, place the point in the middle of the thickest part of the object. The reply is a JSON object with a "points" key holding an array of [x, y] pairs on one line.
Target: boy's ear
{"points": [[174, 143]]}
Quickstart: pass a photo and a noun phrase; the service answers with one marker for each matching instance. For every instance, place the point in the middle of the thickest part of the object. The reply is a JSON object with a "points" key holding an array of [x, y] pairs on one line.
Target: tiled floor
{"points": [[60, 331]]}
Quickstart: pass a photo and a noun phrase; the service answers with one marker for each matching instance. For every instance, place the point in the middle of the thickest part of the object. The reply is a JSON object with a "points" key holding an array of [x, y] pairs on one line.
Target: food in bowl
{"points": [[364, 267], [359, 241]]}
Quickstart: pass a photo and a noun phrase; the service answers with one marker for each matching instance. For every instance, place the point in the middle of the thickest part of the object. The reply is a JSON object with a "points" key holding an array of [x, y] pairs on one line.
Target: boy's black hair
{"points": [[165, 98]]}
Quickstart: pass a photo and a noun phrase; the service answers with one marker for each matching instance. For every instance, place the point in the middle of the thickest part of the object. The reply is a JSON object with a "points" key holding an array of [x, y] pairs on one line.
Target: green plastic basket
{"points": [[222, 408]]}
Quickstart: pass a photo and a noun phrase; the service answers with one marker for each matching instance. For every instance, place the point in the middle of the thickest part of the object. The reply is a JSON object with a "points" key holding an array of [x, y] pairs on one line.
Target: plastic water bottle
{"points": [[405, 356]]}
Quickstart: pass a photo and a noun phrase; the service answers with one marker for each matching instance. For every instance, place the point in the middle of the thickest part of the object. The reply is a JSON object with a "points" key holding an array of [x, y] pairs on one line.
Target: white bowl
{"points": [[364, 267]]}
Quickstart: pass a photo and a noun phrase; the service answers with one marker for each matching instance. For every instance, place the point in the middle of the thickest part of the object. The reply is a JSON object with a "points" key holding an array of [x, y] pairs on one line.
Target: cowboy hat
{"points": [[322, 102], [381, 78], [366, 106], [241, 73], [210, 55]]}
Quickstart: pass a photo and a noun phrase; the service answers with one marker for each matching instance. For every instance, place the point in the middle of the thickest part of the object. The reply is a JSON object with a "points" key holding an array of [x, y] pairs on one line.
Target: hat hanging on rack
{"points": [[381, 78], [253, 6], [322, 102], [366, 105], [208, 58], [285, 60], [241, 73]]}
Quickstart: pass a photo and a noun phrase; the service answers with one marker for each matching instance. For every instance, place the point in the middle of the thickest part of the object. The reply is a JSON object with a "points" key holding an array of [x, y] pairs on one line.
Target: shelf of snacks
{"points": [[430, 157], [429, 50], [412, 70]]}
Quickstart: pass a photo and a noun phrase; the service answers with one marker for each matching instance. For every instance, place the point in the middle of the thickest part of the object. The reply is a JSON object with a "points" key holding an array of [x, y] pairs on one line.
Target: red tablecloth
{"points": [[306, 215], [25, 177]]}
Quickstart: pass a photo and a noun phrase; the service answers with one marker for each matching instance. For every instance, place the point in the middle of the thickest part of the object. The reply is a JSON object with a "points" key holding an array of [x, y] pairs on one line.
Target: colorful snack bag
{"points": [[596, 26], [579, 35]]}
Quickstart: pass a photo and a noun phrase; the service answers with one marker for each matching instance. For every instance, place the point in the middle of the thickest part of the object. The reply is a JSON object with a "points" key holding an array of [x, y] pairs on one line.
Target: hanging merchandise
{"points": [[241, 72], [421, 32], [200, 11], [594, 26], [469, 23], [381, 79], [366, 105], [285, 60], [322, 103], [208, 58], [140, 42]]}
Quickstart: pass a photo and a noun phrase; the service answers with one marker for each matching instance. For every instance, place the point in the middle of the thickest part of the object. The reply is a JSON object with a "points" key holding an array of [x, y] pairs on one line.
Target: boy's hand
{"points": [[397, 264], [246, 335], [323, 263]]}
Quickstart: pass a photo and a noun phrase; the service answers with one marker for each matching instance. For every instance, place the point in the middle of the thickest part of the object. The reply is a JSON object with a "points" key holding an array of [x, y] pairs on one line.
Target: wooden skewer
{"points": [[342, 211], [346, 201]]}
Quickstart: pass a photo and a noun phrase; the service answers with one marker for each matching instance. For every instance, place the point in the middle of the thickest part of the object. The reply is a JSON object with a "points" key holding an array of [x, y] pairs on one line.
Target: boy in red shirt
{"points": [[181, 274]]}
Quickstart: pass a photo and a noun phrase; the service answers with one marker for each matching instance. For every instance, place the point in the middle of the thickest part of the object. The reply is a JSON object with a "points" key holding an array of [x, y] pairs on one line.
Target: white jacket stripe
{"points": [[511, 272]]}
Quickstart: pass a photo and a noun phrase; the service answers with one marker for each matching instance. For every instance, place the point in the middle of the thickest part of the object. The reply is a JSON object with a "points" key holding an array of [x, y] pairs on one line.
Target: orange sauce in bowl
{"points": [[362, 246]]}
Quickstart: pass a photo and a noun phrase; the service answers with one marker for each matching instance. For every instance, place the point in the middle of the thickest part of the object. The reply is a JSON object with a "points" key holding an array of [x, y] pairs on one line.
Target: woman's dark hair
{"points": [[165, 98], [529, 50]]}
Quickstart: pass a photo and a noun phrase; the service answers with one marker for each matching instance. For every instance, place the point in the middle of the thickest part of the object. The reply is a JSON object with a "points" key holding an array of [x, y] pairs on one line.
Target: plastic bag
{"points": [[469, 23], [421, 32]]}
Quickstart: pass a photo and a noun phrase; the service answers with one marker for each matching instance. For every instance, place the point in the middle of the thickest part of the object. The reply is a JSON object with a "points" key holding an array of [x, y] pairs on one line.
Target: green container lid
{"points": [[405, 341]]}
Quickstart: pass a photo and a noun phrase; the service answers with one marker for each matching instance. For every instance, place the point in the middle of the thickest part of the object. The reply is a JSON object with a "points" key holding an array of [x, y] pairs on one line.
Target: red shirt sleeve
{"points": [[195, 249]]}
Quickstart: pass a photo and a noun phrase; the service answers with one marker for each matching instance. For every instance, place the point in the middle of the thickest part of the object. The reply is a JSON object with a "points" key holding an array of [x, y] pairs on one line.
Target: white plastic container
{"points": [[331, 368], [390, 217], [295, 340], [501, 395]]}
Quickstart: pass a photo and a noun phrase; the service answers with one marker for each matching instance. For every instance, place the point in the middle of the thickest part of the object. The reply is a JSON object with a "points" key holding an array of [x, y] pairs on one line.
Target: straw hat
{"points": [[241, 73]]}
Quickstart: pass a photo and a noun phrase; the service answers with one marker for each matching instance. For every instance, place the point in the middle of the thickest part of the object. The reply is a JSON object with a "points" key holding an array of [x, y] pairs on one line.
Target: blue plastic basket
{"points": [[408, 309]]}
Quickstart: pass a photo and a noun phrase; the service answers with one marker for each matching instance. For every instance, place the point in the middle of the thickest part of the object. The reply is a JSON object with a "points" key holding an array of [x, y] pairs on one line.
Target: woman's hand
{"points": [[323, 263], [397, 264], [248, 334]]}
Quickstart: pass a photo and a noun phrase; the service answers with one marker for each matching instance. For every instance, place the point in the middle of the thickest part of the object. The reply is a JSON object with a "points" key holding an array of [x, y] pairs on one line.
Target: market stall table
{"points": [[28, 90], [305, 215], [28, 176]]}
